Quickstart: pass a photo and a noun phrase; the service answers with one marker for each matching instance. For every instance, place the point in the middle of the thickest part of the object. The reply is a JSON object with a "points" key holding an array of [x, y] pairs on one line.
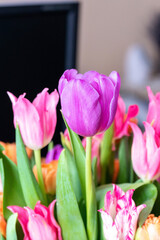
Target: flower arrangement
{"points": [[102, 183]]}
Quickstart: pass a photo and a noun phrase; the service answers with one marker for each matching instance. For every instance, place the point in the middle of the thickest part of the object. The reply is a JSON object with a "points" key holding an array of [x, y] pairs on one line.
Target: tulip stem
{"points": [[37, 154], [91, 208]]}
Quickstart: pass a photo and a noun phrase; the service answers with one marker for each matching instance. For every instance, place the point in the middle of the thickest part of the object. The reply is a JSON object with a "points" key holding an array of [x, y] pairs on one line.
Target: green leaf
{"points": [[30, 187], [107, 156], [11, 227], [50, 146], [124, 161], [79, 155], [11, 195], [94, 170], [68, 212], [73, 173], [145, 194], [1, 237], [156, 208]]}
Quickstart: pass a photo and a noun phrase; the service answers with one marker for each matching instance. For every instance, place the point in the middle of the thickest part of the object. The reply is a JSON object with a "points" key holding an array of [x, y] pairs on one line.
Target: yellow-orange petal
{"points": [[49, 171], [10, 151]]}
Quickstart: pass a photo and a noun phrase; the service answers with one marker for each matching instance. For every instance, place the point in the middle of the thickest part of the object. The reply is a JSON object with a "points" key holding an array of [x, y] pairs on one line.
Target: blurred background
{"points": [[51, 36]]}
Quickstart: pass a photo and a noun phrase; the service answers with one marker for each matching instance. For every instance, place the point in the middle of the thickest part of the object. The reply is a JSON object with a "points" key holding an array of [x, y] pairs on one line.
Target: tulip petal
{"points": [[119, 117], [132, 112], [109, 228], [150, 142], [110, 202], [154, 166], [126, 201], [154, 110], [115, 77], [38, 228], [22, 218], [26, 115], [106, 92], [150, 94], [66, 77], [53, 221], [54, 153], [84, 111], [106, 87], [45, 104], [138, 152], [41, 210]]}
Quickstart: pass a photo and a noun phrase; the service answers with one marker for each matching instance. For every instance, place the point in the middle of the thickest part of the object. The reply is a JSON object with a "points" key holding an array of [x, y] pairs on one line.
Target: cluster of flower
{"points": [[76, 177]]}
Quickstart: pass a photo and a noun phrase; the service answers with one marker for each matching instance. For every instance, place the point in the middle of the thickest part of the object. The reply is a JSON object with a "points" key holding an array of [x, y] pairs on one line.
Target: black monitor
{"points": [[37, 43]]}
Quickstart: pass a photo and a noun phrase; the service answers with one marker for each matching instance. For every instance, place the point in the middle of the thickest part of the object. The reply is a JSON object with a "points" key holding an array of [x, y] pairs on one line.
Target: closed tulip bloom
{"points": [[120, 215], [38, 224], [37, 120], [145, 153], [89, 101]]}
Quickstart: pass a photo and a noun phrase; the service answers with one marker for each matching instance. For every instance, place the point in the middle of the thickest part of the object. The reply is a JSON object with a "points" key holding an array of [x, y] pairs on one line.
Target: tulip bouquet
{"points": [[101, 183]]}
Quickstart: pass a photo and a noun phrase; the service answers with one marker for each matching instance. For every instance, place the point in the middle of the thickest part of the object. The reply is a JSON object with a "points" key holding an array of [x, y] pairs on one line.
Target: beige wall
{"points": [[108, 27]]}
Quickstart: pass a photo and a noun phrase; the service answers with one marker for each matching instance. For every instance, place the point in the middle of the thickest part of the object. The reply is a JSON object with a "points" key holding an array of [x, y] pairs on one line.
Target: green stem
{"points": [[37, 154], [88, 179]]}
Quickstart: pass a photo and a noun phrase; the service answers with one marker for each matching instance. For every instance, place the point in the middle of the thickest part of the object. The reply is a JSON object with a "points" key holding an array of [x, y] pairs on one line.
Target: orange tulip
{"points": [[10, 151], [2, 220], [49, 171], [150, 229]]}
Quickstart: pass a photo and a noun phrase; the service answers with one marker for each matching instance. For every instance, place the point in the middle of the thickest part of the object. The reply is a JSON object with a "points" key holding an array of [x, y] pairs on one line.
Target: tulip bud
{"points": [[37, 120], [89, 100]]}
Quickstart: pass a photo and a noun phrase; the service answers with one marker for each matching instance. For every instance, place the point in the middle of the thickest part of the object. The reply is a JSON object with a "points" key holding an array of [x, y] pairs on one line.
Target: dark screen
{"points": [[32, 53]]}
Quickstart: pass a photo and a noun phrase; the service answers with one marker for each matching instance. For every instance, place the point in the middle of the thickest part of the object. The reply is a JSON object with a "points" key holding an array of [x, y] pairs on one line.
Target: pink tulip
{"points": [[120, 215], [37, 120], [122, 118], [153, 115], [89, 100], [38, 224], [145, 153]]}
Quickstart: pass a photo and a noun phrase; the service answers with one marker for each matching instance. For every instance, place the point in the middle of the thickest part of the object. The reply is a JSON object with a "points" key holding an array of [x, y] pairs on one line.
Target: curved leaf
{"points": [[79, 155], [11, 227], [11, 195], [107, 156], [145, 194], [30, 187], [68, 212]]}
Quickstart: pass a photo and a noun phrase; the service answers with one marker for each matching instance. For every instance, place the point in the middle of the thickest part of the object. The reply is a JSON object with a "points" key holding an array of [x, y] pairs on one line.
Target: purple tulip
{"points": [[89, 101], [54, 153]]}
